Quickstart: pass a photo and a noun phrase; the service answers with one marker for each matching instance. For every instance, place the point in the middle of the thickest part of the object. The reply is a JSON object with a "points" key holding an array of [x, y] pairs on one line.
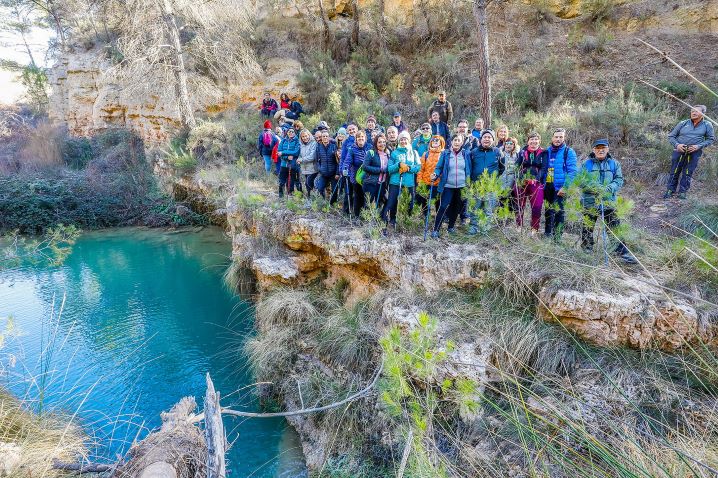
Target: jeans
{"points": [[392, 203], [533, 191], [323, 182], [683, 163], [285, 179], [267, 162], [450, 201], [554, 211]]}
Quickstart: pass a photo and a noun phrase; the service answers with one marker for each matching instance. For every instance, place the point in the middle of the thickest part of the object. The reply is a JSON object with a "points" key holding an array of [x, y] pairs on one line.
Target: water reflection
{"points": [[145, 316]]}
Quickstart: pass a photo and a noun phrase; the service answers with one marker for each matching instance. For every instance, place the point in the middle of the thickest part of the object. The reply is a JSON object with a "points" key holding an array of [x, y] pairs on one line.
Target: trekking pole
{"points": [[428, 210], [604, 236], [349, 198], [335, 191]]}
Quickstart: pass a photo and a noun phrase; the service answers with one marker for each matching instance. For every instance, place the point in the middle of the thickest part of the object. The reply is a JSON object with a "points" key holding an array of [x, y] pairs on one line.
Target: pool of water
{"points": [[145, 316]]}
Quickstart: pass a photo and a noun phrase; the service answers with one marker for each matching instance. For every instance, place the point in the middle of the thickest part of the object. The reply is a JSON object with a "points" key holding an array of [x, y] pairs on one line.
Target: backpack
{"points": [[267, 138], [296, 107], [360, 175]]}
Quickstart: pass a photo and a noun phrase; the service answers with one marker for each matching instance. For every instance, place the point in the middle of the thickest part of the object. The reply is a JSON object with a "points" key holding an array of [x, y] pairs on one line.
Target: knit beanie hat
{"points": [[322, 125], [342, 131], [267, 124], [489, 132]]}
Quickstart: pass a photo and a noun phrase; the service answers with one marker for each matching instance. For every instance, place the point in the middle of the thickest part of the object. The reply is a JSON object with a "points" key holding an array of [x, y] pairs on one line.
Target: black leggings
{"points": [[450, 202]]}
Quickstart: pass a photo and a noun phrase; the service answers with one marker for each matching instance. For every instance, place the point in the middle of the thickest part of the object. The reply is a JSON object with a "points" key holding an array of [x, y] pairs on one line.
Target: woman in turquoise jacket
{"points": [[404, 163]]}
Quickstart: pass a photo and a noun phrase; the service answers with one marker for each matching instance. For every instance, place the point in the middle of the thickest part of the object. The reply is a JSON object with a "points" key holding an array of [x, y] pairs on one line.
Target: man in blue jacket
{"points": [[688, 139], [557, 172], [604, 179], [325, 157], [484, 158]]}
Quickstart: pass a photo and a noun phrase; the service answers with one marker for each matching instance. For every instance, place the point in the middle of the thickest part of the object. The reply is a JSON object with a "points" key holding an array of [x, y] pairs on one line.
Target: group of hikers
{"points": [[375, 165]]}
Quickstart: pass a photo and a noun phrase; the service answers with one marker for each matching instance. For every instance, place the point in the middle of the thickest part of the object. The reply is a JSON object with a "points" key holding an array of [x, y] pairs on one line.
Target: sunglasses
{"points": [[508, 142], [426, 129]]}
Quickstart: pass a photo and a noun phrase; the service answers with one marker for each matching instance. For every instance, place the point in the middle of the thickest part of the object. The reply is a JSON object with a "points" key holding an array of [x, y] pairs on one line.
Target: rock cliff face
{"points": [[87, 97], [640, 316]]}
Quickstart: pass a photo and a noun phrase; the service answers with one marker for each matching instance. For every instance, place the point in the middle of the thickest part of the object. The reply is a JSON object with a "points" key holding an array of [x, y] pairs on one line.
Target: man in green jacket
{"points": [[602, 179]]}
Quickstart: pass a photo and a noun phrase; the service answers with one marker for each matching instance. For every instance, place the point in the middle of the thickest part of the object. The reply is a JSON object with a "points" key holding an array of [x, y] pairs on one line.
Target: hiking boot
{"points": [[681, 195], [534, 233], [434, 234], [628, 258], [452, 231], [668, 195], [384, 232]]}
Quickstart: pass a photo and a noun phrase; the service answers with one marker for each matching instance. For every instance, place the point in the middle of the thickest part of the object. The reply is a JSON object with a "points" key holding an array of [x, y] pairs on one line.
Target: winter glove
{"points": [[403, 168], [433, 177]]}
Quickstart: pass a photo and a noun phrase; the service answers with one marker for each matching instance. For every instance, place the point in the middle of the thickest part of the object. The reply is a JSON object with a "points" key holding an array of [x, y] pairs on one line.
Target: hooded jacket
{"points": [[261, 147], [409, 157], [326, 158], [307, 157], [353, 160], [442, 167], [507, 165], [484, 159], [563, 163], [428, 163], [288, 147], [603, 175]]}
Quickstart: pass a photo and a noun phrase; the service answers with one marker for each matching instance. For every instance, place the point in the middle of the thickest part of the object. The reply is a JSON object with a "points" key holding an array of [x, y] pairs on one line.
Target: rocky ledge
{"points": [[284, 248]]}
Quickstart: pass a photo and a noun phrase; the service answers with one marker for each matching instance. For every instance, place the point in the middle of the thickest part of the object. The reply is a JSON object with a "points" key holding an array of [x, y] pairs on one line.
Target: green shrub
{"points": [[76, 152], [681, 89], [546, 83], [181, 160], [209, 143]]}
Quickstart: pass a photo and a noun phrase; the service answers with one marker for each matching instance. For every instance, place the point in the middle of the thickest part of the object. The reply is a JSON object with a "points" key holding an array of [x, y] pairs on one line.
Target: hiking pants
{"points": [[423, 201], [554, 211], [323, 182], [309, 182], [286, 179], [450, 203], [590, 216], [353, 196], [534, 193], [375, 192], [683, 163]]}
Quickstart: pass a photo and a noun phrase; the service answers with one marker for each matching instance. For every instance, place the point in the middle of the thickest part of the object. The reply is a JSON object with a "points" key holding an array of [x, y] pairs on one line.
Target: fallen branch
{"points": [[686, 72], [405, 455], [361, 393], [214, 433], [80, 468]]}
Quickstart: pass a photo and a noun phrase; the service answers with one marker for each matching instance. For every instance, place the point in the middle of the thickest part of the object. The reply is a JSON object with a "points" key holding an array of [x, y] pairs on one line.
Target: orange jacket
{"points": [[429, 160]]}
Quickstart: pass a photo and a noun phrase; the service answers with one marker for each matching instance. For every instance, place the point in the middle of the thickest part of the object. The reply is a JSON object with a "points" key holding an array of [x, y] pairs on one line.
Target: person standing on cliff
{"points": [[266, 143], [558, 168], [326, 160], [288, 151], [442, 106], [688, 139], [600, 190]]}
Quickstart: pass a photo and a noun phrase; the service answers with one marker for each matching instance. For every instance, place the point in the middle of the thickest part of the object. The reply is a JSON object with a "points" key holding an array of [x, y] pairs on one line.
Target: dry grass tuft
{"points": [[285, 307], [29, 442]]}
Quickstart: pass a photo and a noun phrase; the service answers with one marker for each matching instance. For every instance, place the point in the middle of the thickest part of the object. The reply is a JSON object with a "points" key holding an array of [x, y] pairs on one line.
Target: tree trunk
{"points": [[479, 8], [178, 67], [355, 24], [381, 5]]}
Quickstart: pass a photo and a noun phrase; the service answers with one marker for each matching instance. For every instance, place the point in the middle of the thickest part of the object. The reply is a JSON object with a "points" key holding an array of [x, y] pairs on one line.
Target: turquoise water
{"points": [[145, 316]]}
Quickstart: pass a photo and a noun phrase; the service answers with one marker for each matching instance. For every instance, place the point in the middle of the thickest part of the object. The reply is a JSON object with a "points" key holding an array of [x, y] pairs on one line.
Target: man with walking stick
{"points": [[604, 179], [688, 138]]}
